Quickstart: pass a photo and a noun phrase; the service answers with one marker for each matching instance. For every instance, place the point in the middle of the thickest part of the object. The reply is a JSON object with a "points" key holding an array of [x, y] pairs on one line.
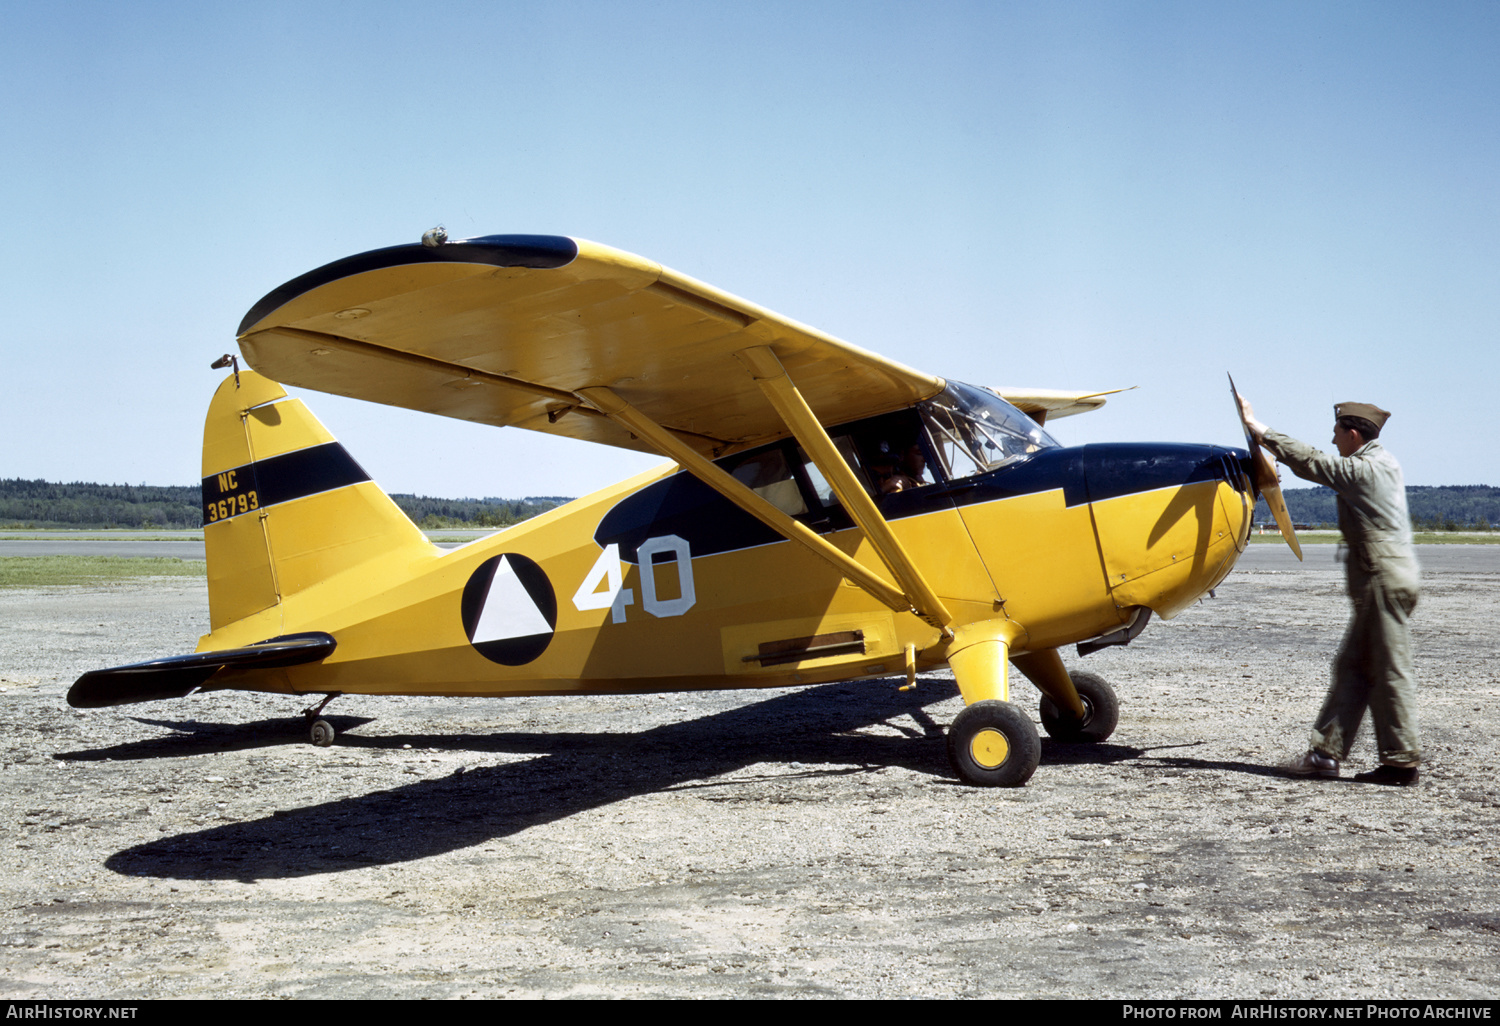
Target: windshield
{"points": [[974, 431]]}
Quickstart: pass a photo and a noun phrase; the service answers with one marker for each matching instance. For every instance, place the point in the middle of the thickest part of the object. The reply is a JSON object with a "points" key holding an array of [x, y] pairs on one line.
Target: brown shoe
{"points": [[1312, 764], [1391, 776]]}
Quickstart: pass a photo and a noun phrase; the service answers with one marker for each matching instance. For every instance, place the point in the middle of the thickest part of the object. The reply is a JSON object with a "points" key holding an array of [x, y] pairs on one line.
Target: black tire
{"points": [[1101, 718], [993, 744], [321, 733]]}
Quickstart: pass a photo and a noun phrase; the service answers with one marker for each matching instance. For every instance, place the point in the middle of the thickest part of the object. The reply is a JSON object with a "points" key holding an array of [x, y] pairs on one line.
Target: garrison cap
{"points": [[1374, 414]]}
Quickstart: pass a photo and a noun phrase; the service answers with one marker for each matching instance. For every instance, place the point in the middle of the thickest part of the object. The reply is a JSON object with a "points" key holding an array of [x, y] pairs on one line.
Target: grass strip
{"points": [[55, 571]]}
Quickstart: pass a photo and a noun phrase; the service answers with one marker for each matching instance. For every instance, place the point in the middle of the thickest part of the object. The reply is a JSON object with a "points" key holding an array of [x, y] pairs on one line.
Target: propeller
{"points": [[1264, 478]]}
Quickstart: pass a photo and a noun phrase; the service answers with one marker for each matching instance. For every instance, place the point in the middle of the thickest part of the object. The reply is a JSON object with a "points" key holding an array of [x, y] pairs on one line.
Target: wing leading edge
{"points": [[510, 330]]}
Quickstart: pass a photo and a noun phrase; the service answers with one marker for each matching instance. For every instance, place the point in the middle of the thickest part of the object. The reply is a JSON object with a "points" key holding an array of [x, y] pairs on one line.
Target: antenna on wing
{"points": [[228, 360]]}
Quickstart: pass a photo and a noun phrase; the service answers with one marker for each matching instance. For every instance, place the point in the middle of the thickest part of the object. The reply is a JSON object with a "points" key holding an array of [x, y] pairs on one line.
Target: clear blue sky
{"points": [[1070, 195]]}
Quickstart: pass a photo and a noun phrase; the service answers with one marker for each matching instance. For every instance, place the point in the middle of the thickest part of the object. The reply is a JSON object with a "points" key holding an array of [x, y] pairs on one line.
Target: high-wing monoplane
{"points": [[828, 514]]}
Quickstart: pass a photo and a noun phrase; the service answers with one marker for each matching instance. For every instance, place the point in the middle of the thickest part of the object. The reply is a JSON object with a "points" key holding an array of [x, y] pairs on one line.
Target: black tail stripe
{"points": [[292, 475]]}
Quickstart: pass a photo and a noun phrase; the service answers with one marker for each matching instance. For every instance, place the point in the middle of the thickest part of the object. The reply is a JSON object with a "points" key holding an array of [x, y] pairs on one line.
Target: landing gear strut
{"points": [[991, 743], [1101, 712]]}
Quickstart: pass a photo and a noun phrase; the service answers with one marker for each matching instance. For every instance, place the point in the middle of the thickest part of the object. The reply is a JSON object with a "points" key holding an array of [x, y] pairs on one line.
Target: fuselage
{"points": [[661, 583]]}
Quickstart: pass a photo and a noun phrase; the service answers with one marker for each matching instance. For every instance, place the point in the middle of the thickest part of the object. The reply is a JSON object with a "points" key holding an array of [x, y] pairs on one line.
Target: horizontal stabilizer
{"points": [[180, 676]]}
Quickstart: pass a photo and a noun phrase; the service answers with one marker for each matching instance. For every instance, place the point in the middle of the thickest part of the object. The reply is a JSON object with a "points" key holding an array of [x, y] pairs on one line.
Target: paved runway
{"points": [[81, 547], [1444, 558]]}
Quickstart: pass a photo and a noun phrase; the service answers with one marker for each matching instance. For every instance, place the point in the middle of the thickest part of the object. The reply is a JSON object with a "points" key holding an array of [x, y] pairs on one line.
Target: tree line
{"points": [[78, 504], [429, 513], [1432, 507]]}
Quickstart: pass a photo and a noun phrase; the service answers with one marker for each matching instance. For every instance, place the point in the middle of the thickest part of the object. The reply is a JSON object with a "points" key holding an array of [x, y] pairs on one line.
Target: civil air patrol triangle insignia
{"points": [[509, 609]]}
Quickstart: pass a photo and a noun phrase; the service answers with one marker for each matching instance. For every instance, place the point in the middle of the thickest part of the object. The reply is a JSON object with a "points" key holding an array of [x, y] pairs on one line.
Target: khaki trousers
{"points": [[1373, 671]]}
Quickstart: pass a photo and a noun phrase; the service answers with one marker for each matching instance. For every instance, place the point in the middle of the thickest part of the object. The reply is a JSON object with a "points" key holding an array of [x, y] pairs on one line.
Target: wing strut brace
{"points": [[772, 378], [918, 596], [669, 445]]}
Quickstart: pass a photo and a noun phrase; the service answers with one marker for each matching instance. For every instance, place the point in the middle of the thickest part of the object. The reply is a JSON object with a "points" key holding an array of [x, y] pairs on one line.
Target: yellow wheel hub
{"points": [[989, 748]]}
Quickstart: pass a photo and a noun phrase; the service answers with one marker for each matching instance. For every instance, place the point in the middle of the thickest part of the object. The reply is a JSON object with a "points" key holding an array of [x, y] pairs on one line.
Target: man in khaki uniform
{"points": [[1374, 666]]}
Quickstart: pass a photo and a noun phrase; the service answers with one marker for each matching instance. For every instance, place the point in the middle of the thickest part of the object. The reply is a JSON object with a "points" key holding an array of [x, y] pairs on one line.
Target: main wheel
{"points": [[993, 744], [1100, 717], [321, 733]]}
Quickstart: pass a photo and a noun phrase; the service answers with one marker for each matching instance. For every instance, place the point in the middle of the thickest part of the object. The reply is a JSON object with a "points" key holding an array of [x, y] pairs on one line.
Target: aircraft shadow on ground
{"points": [[573, 772], [821, 728], [198, 737], [1156, 757], [1254, 769]]}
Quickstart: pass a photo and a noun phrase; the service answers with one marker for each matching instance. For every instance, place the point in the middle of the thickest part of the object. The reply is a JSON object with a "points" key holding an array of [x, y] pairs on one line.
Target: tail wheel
{"points": [[1100, 717], [993, 744], [321, 733]]}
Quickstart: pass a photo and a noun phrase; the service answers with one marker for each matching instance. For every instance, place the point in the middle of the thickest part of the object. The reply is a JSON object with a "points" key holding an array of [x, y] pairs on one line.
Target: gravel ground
{"points": [[798, 843]]}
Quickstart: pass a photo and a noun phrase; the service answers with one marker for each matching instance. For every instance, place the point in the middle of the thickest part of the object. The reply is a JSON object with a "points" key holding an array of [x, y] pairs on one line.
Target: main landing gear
{"points": [[992, 743], [1101, 712], [320, 732]]}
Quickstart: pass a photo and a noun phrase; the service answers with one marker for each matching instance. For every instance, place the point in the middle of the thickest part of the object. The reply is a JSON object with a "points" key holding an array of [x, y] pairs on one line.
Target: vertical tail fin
{"points": [[285, 507]]}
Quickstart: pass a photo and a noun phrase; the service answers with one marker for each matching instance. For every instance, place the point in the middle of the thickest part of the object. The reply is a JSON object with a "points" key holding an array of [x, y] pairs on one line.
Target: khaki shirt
{"points": [[1372, 509]]}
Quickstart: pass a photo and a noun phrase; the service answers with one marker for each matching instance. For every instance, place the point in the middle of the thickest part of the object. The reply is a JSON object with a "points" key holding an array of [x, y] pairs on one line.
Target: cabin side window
{"points": [[961, 432], [821, 486], [887, 455]]}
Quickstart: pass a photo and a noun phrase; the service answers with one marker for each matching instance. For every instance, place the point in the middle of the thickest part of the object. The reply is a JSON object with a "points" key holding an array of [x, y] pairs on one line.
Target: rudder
{"points": [[285, 507]]}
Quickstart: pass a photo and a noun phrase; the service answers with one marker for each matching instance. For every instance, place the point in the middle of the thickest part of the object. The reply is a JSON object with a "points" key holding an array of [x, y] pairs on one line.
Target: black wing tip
{"points": [[543, 252]]}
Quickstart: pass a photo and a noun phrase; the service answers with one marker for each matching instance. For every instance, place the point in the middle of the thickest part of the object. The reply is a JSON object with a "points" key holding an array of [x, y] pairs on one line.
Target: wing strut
{"points": [[669, 445], [772, 378]]}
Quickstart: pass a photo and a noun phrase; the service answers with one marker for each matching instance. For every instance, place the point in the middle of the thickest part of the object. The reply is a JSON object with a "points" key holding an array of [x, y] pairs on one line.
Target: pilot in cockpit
{"points": [[897, 468]]}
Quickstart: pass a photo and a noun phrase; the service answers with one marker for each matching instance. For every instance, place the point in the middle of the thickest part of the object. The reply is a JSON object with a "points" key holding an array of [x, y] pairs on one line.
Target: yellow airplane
{"points": [[829, 514]]}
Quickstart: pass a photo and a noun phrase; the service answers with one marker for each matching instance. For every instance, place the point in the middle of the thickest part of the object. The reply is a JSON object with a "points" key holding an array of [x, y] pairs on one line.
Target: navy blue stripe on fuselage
{"points": [[542, 252], [684, 506], [1114, 469], [292, 475]]}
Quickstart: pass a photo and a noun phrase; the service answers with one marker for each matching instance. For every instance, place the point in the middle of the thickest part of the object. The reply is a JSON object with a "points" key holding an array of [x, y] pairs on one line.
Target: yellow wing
{"points": [[1042, 404], [508, 329]]}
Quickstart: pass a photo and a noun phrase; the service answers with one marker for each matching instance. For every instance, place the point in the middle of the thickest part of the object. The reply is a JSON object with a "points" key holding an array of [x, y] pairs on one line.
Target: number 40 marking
{"points": [[608, 572]]}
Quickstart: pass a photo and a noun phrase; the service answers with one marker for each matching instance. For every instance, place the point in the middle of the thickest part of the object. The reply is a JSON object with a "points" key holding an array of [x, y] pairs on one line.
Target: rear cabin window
{"points": [[768, 475]]}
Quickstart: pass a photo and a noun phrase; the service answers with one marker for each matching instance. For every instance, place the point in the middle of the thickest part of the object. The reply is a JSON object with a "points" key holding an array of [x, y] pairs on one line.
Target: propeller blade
{"points": [[1272, 494], [1267, 484]]}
